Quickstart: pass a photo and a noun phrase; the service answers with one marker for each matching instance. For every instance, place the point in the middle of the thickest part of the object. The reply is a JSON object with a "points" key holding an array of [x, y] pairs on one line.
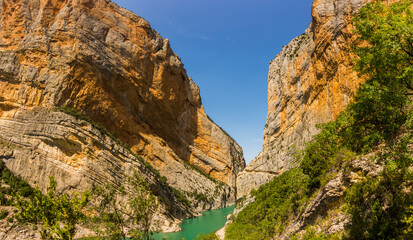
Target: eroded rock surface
{"points": [[326, 211]]}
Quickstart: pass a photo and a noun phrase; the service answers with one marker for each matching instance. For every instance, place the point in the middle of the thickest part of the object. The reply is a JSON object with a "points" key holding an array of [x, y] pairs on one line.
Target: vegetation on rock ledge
{"points": [[131, 206]]}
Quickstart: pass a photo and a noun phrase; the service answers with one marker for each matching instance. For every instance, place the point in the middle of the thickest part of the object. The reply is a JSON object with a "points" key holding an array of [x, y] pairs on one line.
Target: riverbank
{"points": [[209, 221]]}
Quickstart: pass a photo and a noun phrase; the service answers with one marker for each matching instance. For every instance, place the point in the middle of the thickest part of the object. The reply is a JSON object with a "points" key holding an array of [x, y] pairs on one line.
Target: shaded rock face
{"points": [[39, 143], [309, 82], [108, 64]]}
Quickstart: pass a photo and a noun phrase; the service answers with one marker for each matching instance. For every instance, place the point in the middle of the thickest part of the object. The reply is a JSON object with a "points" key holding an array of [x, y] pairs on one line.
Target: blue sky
{"points": [[226, 47]]}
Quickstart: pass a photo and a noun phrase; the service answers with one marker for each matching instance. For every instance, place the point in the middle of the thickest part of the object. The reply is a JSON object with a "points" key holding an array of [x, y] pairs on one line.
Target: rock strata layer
{"points": [[111, 66], [309, 82]]}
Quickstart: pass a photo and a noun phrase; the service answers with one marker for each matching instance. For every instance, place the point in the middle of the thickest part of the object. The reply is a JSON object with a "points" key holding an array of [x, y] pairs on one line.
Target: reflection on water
{"points": [[208, 222]]}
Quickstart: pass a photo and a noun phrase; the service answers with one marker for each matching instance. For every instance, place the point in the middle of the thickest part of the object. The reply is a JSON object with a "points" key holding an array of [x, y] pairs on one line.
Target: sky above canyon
{"points": [[226, 47]]}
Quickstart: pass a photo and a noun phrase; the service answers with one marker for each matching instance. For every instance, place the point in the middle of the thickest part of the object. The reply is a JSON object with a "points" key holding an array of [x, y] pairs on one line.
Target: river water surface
{"points": [[208, 222]]}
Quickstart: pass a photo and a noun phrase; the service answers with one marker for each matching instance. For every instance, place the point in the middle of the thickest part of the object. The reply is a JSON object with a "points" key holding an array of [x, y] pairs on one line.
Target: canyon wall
{"points": [[309, 82], [94, 59]]}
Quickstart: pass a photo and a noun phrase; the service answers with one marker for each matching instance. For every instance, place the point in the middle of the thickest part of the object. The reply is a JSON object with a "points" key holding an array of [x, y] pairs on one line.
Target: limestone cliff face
{"points": [[39, 143], [108, 64], [309, 82]]}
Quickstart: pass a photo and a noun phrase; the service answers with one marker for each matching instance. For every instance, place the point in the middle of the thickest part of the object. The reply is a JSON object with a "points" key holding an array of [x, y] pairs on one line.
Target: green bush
{"points": [[4, 214], [58, 213], [310, 234], [130, 205], [181, 197], [26, 191], [4, 201], [15, 185], [325, 154], [275, 203], [209, 236], [319, 154]]}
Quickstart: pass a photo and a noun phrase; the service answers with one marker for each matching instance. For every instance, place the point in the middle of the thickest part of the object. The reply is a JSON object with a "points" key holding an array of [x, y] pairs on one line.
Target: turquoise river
{"points": [[208, 222]]}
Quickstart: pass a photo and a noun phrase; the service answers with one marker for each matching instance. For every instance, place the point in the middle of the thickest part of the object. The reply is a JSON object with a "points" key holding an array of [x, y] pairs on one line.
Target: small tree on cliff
{"points": [[58, 213], [129, 205]]}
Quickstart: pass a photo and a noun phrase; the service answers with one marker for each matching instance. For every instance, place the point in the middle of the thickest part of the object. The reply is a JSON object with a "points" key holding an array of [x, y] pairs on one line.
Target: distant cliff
{"points": [[309, 82], [94, 59]]}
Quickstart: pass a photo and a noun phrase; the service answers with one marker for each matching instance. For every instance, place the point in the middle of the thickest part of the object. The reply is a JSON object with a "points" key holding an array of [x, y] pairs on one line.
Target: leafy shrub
{"points": [[181, 197], [200, 197], [15, 185], [58, 214], [325, 154], [275, 202], [4, 214], [4, 201], [117, 215], [311, 234], [209, 236], [26, 191]]}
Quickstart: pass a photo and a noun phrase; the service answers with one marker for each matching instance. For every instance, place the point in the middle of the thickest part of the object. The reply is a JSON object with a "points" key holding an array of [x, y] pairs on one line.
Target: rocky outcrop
{"points": [[309, 83], [326, 211], [109, 65]]}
